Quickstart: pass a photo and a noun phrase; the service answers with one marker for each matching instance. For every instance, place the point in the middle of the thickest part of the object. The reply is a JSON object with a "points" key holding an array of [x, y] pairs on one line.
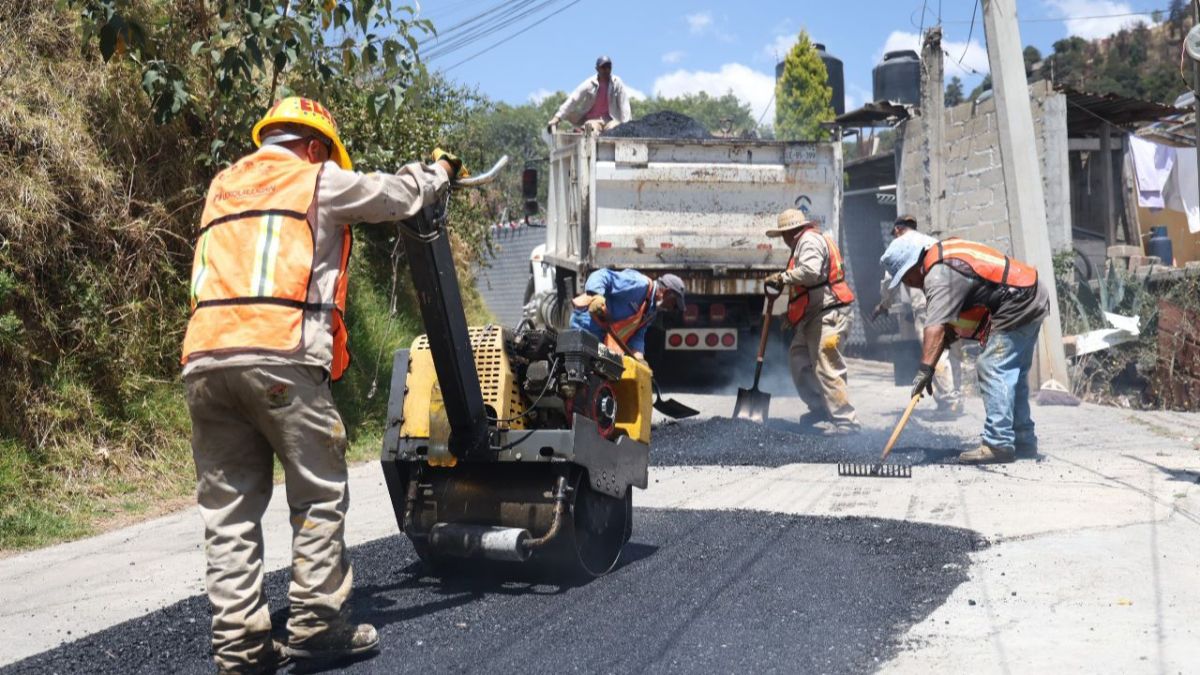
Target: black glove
{"points": [[923, 382], [880, 310]]}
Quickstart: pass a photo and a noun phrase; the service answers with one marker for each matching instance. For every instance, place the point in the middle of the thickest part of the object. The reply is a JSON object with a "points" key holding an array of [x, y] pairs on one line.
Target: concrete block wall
{"points": [[974, 204]]}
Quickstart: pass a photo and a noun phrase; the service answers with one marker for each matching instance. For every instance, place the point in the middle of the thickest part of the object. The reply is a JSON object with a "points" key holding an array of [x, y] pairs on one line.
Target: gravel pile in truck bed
{"points": [[662, 124]]}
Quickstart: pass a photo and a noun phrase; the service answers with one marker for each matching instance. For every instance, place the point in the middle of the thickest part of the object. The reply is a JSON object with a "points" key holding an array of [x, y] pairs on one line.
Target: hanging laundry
{"points": [[1152, 163]]}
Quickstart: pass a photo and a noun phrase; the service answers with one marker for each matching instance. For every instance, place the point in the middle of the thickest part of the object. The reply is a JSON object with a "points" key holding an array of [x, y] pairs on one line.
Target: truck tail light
{"points": [[716, 312], [604, 244], [711, 339], [691, 313], [666, 244], [728, 339], [675, 340], [692, 339]]}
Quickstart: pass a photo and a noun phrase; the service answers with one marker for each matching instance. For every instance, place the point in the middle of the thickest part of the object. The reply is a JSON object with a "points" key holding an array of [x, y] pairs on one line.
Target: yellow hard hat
{"points": [[298, 110]]}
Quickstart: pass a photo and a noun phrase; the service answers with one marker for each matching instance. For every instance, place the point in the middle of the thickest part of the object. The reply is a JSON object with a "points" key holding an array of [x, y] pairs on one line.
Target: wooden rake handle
{"points": [[887, 450]]}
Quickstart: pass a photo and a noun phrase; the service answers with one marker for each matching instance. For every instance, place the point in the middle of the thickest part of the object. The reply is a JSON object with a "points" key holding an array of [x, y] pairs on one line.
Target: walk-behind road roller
{"points": [[510, 446]]}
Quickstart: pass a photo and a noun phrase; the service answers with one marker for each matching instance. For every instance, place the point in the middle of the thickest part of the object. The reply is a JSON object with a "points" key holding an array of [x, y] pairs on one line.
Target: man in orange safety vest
{"points": [[818, 308], [974, 291], [266, 336]]}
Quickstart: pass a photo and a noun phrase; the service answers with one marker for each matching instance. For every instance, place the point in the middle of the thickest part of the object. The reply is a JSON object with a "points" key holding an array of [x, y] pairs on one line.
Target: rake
{"points": [[879, 469]]}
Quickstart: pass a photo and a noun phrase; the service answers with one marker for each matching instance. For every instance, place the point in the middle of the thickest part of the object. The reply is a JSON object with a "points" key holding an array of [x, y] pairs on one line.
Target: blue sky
{"points": [[672, 47]]}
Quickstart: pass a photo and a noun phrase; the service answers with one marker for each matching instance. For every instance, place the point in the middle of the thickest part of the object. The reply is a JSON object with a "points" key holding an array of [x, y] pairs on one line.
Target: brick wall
{"points": [[974, 205]]}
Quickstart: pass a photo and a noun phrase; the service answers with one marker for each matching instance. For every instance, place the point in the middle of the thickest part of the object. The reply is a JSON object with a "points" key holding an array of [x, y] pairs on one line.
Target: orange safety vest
{"points": [[252, 274], [835, 279], [980, 262], [625, 328]]}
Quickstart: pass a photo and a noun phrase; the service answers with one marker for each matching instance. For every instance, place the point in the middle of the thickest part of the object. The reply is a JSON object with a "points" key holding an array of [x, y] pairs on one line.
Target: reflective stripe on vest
{"points": [[625, 328], [252, 273], [835, 279], [982, 262]]}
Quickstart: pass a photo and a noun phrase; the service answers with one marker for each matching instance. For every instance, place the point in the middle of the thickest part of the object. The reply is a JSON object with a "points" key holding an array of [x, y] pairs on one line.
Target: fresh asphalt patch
{"points": [[725, 441], [696, 591]]}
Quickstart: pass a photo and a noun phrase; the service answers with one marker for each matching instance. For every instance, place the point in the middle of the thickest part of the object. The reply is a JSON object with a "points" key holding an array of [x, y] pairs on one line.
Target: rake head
{"points": [[879, 470]]}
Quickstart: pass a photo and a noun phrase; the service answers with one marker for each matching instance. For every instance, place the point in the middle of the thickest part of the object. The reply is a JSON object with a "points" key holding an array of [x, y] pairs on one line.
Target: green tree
{"points": [[725, 114], [802, 94], [1177, 13], [218, 64], [984, 85], [1031, 56], [954, 91], [1069, 63]]}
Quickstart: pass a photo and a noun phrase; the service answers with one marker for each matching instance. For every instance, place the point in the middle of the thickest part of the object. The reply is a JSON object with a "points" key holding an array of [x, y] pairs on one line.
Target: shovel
{"points": [[669, 407], [752, 404]]}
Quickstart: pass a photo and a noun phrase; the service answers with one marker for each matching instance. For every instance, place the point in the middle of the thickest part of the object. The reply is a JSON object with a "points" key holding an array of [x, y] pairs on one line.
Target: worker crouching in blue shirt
{"points": [[625, 303]]}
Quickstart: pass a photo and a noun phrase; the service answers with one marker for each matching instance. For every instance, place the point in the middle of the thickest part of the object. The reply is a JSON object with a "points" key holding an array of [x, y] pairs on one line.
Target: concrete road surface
{"points": [[748, 554]]}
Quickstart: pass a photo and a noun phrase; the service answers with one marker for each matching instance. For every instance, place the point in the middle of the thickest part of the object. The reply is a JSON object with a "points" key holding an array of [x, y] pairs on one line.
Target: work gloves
{"points": [[552, 125], [598, 307], [457, 170], [880, 310], [775, 281], [923, 382]]}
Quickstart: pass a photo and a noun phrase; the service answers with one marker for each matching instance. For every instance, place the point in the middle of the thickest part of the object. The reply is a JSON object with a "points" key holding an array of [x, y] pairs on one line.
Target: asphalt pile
{"points": [[725, 441], [661, 124], [695, 591]]}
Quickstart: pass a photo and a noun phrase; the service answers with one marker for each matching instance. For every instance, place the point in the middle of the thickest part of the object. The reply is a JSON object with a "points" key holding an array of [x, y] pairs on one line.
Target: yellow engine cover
{"points": [[422, 403], [635, 398]]}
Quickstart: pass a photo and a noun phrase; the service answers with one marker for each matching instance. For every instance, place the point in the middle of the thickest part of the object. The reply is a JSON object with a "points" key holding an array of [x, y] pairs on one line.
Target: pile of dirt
{"points": [[662, 124]]}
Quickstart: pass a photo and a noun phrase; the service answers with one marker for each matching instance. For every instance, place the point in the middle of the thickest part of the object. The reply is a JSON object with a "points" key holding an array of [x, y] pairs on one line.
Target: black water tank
{"points": [[836, 80], [833, 76], [898, 77]]}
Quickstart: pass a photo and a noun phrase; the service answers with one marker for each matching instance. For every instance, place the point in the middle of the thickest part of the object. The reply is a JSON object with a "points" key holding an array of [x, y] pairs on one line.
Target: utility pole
{"points": [[933, 104], [1023, 173]]}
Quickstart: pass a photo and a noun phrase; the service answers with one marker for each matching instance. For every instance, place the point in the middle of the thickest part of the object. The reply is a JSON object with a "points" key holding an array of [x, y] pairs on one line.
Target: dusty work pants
{"points": [[1003, 370], [242, 417], [947, 374], [818, 369]]}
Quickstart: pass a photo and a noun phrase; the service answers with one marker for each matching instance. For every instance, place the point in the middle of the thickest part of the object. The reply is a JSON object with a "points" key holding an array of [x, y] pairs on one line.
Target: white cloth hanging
{"points": [[1182, 192], [1152, 162]]}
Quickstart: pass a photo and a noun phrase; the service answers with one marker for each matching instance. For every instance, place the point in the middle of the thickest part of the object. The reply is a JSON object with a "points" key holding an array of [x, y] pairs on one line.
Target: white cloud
{"points": [[698, 22], [974, 54], [1104, 23], [539, 95], [749, 85], [703, 24], [673, 56], [778, 48]]}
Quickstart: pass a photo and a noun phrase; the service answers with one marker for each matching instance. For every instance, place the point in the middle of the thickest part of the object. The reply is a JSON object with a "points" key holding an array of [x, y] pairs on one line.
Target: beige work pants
{"points": [[947, 374], [818, 369], [242, 417]]}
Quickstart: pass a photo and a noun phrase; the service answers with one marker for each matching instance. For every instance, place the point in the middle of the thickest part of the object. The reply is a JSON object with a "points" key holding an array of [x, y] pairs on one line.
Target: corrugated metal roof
{"points": [[1086, 111]]}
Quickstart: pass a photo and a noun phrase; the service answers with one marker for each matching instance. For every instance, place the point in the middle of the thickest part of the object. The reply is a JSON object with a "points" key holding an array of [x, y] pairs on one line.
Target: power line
{"points": [[506, 39], [1044, 19], [971, 32]]}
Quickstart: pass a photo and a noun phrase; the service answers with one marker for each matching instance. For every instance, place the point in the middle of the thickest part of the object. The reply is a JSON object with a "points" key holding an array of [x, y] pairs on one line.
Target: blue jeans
{"points": [[1003, 370]]}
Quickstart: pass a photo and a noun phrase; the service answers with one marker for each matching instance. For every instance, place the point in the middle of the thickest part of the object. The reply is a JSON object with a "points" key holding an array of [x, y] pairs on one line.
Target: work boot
{"points": [[271, 662], [813, 417], [1027, 450], [843, 430], [341, 639], [985, 454]]}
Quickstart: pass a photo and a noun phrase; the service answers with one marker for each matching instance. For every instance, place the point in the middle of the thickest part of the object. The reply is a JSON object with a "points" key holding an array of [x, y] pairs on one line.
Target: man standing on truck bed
{"points": [[947, 376], [625, 302], [975, 291], [598, 103], [265, 338], [818, 310]]}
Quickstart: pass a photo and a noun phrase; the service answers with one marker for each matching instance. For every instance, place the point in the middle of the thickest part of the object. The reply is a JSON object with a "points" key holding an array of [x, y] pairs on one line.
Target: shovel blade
{"points": [[752, 405], [672, 408]]}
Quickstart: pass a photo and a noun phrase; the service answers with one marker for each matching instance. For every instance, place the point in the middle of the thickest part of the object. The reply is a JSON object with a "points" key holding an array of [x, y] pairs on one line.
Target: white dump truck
{"points": [[698, 208]]}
